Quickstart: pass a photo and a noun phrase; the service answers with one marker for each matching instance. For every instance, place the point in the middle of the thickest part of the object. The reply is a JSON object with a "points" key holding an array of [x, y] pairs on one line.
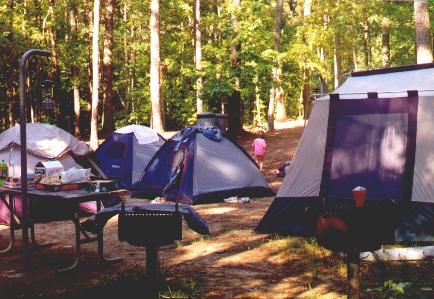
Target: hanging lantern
{"points": [[47, 95]]}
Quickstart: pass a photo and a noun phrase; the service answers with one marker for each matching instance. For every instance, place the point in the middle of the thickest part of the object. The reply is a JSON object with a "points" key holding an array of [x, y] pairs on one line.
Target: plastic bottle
{"points": [[6, 170], [3, 169]]}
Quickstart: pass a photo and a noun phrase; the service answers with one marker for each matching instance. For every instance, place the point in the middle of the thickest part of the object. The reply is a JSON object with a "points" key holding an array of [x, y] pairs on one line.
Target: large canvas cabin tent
{"points": [[126, 153], [214, 167], [376, 130]]}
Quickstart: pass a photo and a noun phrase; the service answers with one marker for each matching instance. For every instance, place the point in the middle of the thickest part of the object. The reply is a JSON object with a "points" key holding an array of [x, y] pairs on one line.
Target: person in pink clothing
{"points": [[259, 148]]}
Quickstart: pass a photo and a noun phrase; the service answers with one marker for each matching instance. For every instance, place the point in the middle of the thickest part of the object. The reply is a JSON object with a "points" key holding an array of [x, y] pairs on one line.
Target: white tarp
{"points": [[143, 134]]}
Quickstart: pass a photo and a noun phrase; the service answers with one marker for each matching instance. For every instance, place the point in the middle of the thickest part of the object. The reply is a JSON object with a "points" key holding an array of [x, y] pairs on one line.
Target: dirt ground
{"points": [[232, 262]]}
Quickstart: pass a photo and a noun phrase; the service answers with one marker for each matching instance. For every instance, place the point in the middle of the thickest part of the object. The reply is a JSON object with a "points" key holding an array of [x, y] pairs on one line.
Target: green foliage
{"points": [[392, 288], [35, 24]]}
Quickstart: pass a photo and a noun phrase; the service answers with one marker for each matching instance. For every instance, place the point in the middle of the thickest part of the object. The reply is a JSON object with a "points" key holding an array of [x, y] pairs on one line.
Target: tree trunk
{"points": [[423, 36], [10, 73], [307, 7], [59, 108], [76, 92], [107, 79], [88, 24], [73, 23], [270, 114], [305, 90], [132, 75], [280, 104], [337, 62], [385, 39], [356, 65], [306, 93], [157, 120], [235, 123], [366, 44], [257, 116], [95, 79], [280, 94], [198, 56], [323, 83]]}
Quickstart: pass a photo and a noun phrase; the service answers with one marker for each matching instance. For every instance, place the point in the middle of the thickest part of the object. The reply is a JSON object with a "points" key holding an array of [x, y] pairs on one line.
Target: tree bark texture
{"points": [[270, 114], [234, 106], [385, 41], [107, 72], [307, 7], [305, 91], [323, 83], [88, 24], [423, 36], [198, 56], [355, 63], [280, 94], [73, 23], [95, 78], [59, 108], [337, 65], [366, 44], [157, 121], [257, 115]]}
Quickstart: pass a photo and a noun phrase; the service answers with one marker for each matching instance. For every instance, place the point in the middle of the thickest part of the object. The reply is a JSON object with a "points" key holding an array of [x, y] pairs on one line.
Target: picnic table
{"points": [[67, 203]]}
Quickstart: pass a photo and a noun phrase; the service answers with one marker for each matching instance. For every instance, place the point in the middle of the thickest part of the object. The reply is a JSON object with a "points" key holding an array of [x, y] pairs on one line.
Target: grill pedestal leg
{"points": [[152, 270], [353, 274]]}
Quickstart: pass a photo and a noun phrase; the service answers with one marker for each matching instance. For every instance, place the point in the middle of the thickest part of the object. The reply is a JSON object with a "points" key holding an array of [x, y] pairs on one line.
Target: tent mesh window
{"points": [[117, 150]]}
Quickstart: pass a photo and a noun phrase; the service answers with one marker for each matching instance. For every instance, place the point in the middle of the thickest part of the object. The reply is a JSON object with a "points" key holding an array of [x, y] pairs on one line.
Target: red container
{"points": [[359, 195]]}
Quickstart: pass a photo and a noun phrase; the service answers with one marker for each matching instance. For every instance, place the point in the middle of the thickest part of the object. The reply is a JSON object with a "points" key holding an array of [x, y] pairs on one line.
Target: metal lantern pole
{"points": [[23, 121]]}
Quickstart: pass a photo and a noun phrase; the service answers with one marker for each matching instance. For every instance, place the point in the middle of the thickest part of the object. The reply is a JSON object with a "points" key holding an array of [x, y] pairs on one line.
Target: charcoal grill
{"points": [[153, 228], [150, 228]]}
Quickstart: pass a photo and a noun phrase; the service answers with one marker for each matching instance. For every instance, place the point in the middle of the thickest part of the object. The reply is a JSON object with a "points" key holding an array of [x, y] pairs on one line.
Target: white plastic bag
{"points": [[75, 175]]}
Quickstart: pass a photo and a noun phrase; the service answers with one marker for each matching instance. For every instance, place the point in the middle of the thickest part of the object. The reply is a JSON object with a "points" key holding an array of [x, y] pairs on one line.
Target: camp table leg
{"points": [[100, 237], [77, 261], [353, 274], [10, 207], [35, 243]]}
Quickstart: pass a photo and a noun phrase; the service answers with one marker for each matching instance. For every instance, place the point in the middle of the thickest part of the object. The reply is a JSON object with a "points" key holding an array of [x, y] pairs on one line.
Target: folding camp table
{"points": [[63, 205]]}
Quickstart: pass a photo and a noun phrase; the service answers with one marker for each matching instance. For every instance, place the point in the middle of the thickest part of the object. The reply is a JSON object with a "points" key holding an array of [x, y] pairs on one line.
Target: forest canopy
{"points": [[279, 51]]}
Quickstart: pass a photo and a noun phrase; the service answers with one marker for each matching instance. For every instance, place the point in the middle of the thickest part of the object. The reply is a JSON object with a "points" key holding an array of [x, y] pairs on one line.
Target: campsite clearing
{"points": [[232, 262]]}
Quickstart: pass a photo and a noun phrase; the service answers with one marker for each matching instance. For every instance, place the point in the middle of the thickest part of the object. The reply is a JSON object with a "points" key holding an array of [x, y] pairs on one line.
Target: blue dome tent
{"points": [[214, 168], [126, 153]]}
